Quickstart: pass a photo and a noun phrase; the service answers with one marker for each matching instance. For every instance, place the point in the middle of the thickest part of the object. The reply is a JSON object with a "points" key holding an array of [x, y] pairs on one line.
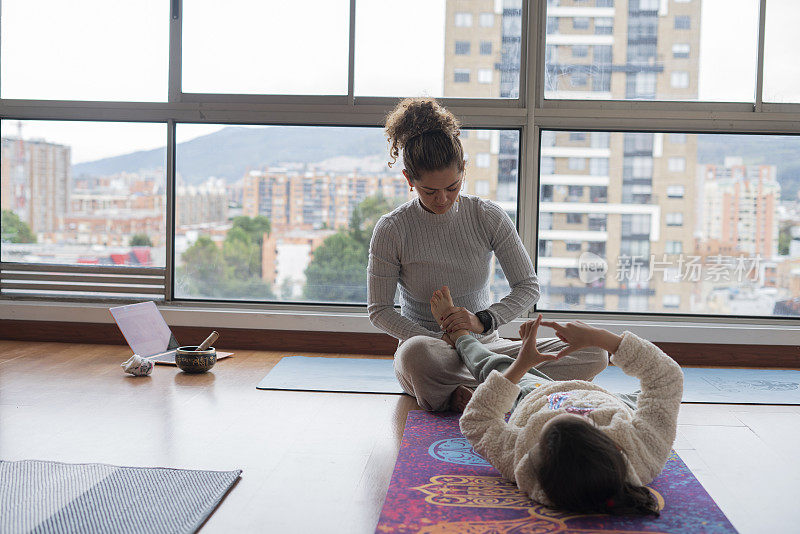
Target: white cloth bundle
{"points": [[138, 366]]}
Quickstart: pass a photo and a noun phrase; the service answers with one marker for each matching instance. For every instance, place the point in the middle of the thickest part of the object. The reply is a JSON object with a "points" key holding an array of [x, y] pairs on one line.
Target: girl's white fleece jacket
{"points": [[645, 435]]}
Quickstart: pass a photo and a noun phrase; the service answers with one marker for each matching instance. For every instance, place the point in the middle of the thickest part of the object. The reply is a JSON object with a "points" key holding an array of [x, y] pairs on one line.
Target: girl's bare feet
{"points": [[441, 302], [460, 398]]}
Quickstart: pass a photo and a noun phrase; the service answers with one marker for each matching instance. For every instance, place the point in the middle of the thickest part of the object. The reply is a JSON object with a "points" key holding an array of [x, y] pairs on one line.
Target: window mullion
{"points": [[175, 29], [762, 20], [351, 56], [169, 260]]}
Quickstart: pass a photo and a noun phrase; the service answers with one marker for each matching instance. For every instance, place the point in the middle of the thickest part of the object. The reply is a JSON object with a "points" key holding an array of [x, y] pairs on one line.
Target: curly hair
{"points": [[427, 134]]}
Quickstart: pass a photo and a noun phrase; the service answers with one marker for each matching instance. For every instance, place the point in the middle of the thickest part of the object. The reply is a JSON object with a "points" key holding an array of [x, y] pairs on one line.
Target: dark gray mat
{"points": [[347, 375], [39, 496], [725, 386]]}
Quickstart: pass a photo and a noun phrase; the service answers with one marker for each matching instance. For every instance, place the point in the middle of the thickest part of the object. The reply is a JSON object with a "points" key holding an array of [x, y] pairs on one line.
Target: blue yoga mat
{"points": [[726, 386], [348, 375]]}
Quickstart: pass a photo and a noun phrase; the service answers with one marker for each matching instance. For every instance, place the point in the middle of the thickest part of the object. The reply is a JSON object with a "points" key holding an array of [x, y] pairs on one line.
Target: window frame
{"points": [[529, 113]]}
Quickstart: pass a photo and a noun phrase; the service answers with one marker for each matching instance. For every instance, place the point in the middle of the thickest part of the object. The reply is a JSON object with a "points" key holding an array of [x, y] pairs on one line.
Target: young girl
{"points": [[444, 237], [572, 444]]}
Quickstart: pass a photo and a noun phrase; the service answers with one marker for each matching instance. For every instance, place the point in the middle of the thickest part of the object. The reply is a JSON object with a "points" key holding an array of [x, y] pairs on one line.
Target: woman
{"points": [[444, 238]]}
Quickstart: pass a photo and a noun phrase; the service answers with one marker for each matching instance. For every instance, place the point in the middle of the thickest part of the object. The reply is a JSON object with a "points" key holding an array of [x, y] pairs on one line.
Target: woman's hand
{"points": [[460, 319]]}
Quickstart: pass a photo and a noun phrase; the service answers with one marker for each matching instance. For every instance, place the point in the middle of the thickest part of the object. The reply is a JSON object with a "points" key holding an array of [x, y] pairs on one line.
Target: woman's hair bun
{"points": [[413, 117]]}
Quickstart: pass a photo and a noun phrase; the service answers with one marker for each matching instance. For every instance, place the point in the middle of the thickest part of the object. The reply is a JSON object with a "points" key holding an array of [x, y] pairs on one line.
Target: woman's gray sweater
{"points": [[422, 251]]}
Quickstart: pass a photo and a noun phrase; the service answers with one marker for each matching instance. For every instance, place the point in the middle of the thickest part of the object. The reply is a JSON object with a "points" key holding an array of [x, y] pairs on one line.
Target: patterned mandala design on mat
{"points": [[456, 451]]}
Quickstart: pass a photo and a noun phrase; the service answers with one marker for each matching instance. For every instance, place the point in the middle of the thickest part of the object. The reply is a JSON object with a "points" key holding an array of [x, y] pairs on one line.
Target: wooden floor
{"points": [[319, 462]]}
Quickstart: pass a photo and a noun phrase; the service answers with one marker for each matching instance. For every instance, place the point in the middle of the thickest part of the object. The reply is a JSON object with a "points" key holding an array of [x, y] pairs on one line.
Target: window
{"points": [[595, 301], [484, 76], [483, 160], [598, 166], [645, 86], [574, 192], [577, 164], [462, 48], [573, 246], [603, 26], [677, 139], [580, 50], [461, 75], [683, 22], [675, 191], [673, 247], [679, 79], [580, 23], [547, 165], [574, 218], [680, 50], [482, 187], [676, 164], [571, 273], [572, 299], [671, 301], [577, 136], [463, 20], [486, 48], [648, 5], [579, 79], [674, 219], [600, 139], [486, 20]]}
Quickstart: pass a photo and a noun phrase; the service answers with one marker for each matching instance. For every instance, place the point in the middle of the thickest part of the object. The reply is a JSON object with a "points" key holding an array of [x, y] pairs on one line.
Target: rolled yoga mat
{"points": [[41, 496], [715, 385], [347, 375], [440, 484]]}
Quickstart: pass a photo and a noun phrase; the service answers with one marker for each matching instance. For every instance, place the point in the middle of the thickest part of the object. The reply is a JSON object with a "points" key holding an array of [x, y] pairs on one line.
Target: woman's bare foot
{"points": [[441, 302], [460, 398]]}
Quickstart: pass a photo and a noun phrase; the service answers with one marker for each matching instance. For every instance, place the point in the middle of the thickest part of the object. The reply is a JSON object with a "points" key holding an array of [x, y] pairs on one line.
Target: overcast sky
{"points": [[104, 49]]}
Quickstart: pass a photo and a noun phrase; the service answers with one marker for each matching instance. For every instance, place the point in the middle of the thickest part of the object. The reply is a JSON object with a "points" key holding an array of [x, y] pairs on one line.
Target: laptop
{"points": [[147, 333]]}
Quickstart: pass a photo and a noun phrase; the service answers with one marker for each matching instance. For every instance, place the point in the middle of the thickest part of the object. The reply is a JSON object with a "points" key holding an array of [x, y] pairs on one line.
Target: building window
{"points": [[580, 50], [486, 20], [603, 26], [645, 85], [547, 165], [571, 273], [595, 300], [677, 138], [462, 48], [671, 301], [482, 187], [674, 218], [598, 166], [641, 167], [676, 164], [579, 79], [601, 139], [573, 246], [648, 5], [580, 23], [572, 299], [461, 76], [683, 22], [679, 79], [463, 20], [484, 76], [575, 192], [577, 164], [675, 191], [574, 218], [673, 247], [680, 50], [486, 48], [483, 160]]}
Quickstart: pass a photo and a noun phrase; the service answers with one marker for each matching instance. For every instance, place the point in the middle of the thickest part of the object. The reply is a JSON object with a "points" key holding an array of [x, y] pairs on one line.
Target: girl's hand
{"points": [[577, 335]]}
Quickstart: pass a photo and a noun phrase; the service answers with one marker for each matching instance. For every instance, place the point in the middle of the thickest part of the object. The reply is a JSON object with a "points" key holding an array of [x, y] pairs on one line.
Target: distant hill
{"points": [[232, 151]]}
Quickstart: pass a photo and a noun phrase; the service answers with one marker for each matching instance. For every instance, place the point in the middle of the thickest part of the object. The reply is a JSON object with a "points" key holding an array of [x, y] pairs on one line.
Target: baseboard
{"points": [[722, 355]]}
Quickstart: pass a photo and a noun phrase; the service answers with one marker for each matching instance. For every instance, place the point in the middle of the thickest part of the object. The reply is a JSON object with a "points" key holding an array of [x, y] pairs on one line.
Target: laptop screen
{"points": [[144, 328]]}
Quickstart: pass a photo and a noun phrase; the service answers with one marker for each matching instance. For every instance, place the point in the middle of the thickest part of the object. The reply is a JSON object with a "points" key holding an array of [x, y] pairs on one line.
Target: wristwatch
{"points": [[486, 320]]}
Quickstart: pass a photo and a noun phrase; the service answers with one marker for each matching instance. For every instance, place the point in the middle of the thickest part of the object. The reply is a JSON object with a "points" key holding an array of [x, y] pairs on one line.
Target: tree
{"points": [[784, 240], [338, 271], [14, 229], [140, 240], [229, 271]]}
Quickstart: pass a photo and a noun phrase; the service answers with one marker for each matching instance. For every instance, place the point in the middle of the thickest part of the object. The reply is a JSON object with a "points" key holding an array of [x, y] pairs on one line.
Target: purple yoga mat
{"points": [[441, 485]]}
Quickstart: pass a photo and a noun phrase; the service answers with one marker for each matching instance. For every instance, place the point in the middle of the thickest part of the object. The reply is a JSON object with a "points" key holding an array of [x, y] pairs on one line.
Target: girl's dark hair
{"points": [[427, 134], [581, 470]]}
